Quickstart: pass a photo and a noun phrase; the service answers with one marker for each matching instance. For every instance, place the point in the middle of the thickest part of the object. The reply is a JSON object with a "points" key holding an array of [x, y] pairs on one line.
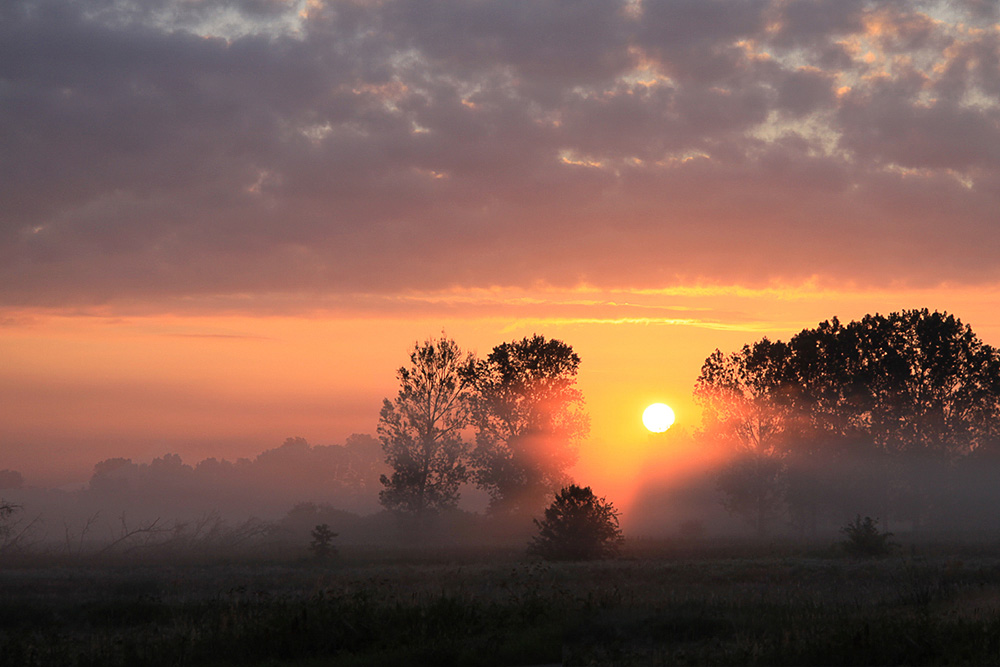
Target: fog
{"points": [[896, 418], [276, 497], [912, 495], [268, 505]]}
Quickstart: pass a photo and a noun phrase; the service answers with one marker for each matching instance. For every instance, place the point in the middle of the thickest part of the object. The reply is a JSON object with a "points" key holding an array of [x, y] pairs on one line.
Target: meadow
{"points": [[668, 603]]}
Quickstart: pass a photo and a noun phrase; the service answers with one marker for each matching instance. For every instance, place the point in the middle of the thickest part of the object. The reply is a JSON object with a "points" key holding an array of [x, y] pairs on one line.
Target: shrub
{"points": [[865, 539], [322, 542], [577, 526]]}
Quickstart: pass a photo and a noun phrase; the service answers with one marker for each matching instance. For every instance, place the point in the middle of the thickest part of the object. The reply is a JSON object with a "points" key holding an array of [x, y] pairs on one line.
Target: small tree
{"points": [[322, 542], [865, 539], [577, 526]]}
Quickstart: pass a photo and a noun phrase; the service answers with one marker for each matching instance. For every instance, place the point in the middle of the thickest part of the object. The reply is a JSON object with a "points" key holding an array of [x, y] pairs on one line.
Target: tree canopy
{"points": [[907, 382], [908, 385], [914, 381], [530, 419]]}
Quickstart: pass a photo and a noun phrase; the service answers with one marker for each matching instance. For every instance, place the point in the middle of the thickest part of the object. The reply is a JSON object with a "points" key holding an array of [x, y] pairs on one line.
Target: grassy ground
{"points": [[719, 604]]}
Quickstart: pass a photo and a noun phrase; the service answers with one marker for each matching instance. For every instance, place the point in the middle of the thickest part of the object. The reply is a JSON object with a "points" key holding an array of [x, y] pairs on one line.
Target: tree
{"points": [[913, 381], [322, 542], [577, 526], [753, 488], [530, 420], [421, 430], [744, 408], [886, 400], [864, 539], [741, 397]]}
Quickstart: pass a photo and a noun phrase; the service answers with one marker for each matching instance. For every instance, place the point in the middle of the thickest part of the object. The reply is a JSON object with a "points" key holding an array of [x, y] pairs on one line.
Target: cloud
{"points": [[173, 150]]}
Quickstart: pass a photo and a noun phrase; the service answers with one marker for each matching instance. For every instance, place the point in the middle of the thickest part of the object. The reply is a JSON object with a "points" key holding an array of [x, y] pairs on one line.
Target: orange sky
{"points": [[77, 387]]}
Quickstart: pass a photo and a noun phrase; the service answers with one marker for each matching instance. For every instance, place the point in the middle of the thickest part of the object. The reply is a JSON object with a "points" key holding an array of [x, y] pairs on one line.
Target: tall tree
{"points": [[912, 381], [919, 387], [742, 397], [745, 408], [900, 394], [421, 430], [530, 420]]}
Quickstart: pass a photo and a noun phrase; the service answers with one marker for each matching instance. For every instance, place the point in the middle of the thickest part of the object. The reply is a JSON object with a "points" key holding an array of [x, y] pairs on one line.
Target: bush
{"points": [[864, 538], [577, 526]]}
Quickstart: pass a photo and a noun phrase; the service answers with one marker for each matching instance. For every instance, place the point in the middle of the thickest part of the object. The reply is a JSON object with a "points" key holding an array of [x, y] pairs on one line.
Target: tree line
{"points": [[889, 411], [510, 423]]}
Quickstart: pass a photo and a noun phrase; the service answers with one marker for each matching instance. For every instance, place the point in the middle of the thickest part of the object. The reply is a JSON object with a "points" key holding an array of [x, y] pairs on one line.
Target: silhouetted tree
{"points": [[741, 397], [913, 381], [918, 386], [577, 526], [906, 393], [744, 409], [322, 542], [112, 477], [865, 539], [421, 430], [753, 488], [530, 420]]}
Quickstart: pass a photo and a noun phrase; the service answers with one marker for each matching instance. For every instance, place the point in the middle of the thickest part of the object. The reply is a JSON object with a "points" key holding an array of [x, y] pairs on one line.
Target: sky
{"points": [[226, 222]]}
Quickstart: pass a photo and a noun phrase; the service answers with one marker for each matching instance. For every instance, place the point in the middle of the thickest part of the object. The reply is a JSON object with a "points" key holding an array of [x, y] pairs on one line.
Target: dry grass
{"points": [[784, 607]]}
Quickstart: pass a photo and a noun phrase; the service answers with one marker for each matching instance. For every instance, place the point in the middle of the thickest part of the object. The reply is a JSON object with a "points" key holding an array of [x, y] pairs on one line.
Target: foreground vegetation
{"points": [[660, 604]]}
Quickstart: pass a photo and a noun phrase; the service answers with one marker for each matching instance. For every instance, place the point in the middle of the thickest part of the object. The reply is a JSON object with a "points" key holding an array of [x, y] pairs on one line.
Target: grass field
{"points": [[715, 604]]}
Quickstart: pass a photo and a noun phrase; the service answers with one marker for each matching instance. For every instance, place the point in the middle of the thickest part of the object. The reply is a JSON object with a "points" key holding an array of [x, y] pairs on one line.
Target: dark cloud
{"points": [[171, 149], [809, 23], [805, 90], [554, 41]]}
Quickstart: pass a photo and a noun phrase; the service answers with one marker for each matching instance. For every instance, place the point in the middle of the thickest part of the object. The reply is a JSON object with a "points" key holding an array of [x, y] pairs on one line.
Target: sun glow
{"points": [[658, 417]]}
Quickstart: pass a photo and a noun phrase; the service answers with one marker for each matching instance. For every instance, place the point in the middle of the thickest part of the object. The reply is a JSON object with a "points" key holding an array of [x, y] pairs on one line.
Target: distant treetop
{"points": [[911, 381]]}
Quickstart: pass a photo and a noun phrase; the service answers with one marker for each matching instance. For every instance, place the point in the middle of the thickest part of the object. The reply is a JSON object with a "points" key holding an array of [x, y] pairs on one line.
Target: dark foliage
{"points": [[577, 526], [868, 408], [864, 539], [530, 420], [322, 542]]}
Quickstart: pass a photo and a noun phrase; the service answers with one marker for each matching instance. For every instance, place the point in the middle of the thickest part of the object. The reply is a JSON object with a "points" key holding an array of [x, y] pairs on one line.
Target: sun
{"points": [[658, 417]]}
